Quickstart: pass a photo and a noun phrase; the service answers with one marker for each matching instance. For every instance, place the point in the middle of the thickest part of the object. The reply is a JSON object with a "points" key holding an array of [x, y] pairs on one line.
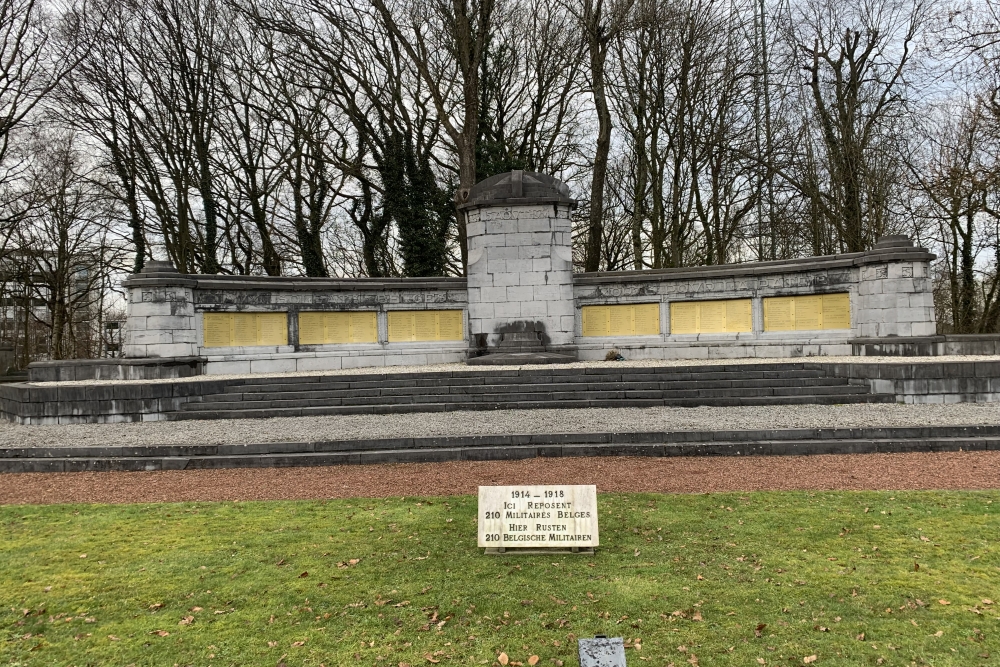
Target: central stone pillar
{"points": [[520, 271]]}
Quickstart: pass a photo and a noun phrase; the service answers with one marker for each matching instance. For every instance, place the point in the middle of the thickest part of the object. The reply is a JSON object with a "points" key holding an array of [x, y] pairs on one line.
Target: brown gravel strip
{"points": [[943, 470]]}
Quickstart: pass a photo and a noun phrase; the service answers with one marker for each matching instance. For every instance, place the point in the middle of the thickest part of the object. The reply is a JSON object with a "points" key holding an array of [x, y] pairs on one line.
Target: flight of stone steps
{"points": [[530, 388]]}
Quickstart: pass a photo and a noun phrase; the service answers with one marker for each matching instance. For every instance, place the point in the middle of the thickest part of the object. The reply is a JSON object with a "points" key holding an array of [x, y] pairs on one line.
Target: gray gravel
{"points": [[630, 363], [346, 427]]}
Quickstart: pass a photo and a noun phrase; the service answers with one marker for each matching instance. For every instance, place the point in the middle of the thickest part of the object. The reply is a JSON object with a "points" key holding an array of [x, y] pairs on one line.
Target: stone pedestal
{"points": [[895, 291], [161, 315], [520, 272]]}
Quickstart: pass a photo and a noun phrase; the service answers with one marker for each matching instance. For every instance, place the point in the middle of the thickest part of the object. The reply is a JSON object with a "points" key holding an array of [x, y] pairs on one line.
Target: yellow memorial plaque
{"points": [[779, 314], [621, 320], [836, 311], [337, 327], [364, 328], [311, 328], [245, 329], [647, 319], [739, 316], [722, 316], [596, 320], [218, 329], [684, 317], [425, 325], [807, 313], [641, 319], [450, 324], [272, 329], [712, 317], [400, 325]]}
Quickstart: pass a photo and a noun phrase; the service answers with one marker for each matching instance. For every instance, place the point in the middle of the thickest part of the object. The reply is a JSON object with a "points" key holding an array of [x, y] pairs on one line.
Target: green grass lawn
{"points": [[723, 579]]}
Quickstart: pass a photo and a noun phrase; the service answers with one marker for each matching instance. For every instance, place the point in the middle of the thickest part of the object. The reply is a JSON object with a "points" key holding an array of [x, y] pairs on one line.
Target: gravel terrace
{"points": [[945, 470], [631, 363], [589, 420]]}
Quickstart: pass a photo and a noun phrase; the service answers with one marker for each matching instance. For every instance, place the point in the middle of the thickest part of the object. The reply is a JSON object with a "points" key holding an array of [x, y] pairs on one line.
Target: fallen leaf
{"points": [[943, 602], [939, 633], [113, 638], [296, 644], [354, 561], [759, 630], [533, 660], [987, 601], [196, 609], [83, 555], [430, 658], [161, 633], [697, 616], [503, 659], [187, 620], [809, 659], [272, 644], [303, 575]]}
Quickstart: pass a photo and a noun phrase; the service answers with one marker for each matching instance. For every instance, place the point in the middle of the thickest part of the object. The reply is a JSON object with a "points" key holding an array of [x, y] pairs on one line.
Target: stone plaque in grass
{"points": [[545, 517]]}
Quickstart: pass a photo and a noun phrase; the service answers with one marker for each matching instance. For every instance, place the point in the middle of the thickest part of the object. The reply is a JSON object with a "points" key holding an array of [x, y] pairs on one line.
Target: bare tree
{"points": [[601, 22], [857, 57]]}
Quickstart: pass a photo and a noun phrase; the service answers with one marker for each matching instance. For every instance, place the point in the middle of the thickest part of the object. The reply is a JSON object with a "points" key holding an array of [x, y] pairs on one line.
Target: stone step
{"points": [[635, 371], [264, 401], [203, 411], [306, 392], [501, 447], [335, 383]]}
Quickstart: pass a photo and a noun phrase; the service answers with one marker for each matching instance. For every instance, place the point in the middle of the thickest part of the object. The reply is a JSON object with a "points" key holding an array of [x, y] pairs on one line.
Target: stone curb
{"points": [[793, 442]]}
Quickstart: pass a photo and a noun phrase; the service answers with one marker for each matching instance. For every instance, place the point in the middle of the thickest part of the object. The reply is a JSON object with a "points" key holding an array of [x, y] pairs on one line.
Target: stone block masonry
{"points": [[520, 284], [520, 271], [888, 293]]}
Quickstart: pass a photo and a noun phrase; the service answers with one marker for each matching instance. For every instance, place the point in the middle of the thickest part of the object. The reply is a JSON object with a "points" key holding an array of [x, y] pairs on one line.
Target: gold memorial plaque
{"points": [[311, 328], [836, 311], [712, 318], [218, 329], [596, 320], [722, 316], [647, 319], [425, 325], [621, 320], [245, 329], [450, 324], [739, 316], [272, 329], [684, 317], [641, 319], [807, 313], [324, 328], [779, 313]]}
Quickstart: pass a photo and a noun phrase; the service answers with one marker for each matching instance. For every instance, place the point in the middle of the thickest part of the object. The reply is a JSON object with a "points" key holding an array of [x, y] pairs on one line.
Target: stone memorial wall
{"points": [[806, 307], [521, 286]]}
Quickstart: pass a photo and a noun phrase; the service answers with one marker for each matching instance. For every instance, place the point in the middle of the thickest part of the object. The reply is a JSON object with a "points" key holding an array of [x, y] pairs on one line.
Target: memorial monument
{"points": [[522, 303]]}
